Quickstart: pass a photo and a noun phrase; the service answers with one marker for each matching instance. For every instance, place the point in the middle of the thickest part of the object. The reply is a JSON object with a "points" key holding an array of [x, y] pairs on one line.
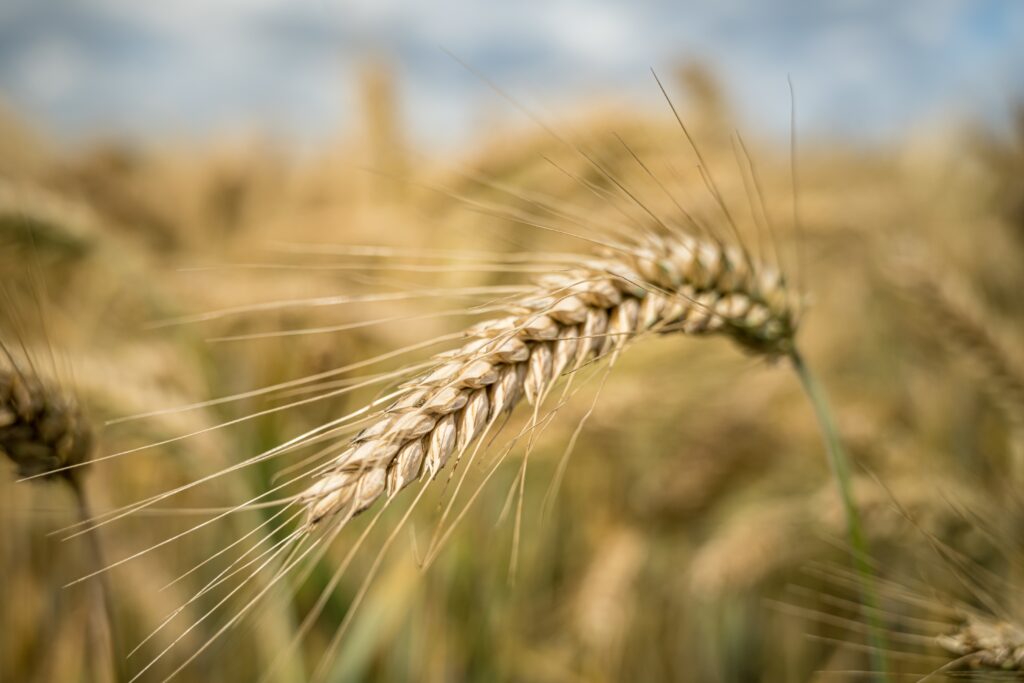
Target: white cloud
{"points": [[597, 33], [49, 70]]}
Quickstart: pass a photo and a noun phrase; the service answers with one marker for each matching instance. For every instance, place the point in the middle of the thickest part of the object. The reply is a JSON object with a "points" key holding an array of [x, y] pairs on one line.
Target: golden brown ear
{"points": [[41, 430]]}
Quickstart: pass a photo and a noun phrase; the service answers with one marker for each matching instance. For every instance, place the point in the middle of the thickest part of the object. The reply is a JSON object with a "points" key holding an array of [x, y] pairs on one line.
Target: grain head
{"points": [[675, 284], [41, 430]]}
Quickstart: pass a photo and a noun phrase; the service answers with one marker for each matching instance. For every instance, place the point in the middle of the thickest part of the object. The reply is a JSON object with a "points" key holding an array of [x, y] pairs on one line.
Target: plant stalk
{"points": [[103, 636], [840, 466]]}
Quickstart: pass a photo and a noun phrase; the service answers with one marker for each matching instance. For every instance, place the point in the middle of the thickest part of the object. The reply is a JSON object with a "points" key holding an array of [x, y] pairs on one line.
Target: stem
{"points": [[102, 631], [840, 465]]}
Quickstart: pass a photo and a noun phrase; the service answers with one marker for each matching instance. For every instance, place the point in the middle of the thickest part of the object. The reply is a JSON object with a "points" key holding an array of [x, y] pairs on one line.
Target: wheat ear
{"points": [[986, 643], [41, 431], [969, 327], [662, 285], [45, 434]]}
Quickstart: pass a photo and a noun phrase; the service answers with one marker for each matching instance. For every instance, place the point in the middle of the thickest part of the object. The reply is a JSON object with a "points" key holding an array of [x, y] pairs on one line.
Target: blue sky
{"points": [[872, 68]]}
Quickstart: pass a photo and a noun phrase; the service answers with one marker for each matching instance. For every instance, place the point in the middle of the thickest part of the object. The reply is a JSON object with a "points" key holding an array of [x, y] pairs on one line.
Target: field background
{"points": [[696, 535]]}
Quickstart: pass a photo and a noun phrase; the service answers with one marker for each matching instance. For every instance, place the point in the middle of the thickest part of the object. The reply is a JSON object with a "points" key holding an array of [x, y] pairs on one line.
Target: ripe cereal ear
{"points": [[670, 285]]}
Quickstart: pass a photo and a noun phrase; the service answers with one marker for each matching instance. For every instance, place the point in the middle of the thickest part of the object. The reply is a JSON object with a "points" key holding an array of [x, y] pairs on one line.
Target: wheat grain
{"points": [[673, 284]]}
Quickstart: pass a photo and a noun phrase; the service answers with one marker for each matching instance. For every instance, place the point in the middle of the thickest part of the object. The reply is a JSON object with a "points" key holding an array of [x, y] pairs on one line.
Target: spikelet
{"points": [[662, 285]]}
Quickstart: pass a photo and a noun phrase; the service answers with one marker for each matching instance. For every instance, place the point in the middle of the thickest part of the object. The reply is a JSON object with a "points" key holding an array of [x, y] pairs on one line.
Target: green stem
{"points": [[840, 465]]}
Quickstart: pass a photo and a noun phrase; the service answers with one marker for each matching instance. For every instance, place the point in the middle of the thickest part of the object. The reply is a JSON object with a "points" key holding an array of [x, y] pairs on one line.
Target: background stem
{"points": [[104, 641]]}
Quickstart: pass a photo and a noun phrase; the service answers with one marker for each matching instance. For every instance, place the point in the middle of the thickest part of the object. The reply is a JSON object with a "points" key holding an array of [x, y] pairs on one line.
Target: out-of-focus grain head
{"points": [[54, 227], [984, 643], [1003, 158], [41, 430]]}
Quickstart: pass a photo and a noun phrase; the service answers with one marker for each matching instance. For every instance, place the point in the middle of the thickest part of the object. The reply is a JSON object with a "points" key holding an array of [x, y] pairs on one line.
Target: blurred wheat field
{"points": [[695, 535]]}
